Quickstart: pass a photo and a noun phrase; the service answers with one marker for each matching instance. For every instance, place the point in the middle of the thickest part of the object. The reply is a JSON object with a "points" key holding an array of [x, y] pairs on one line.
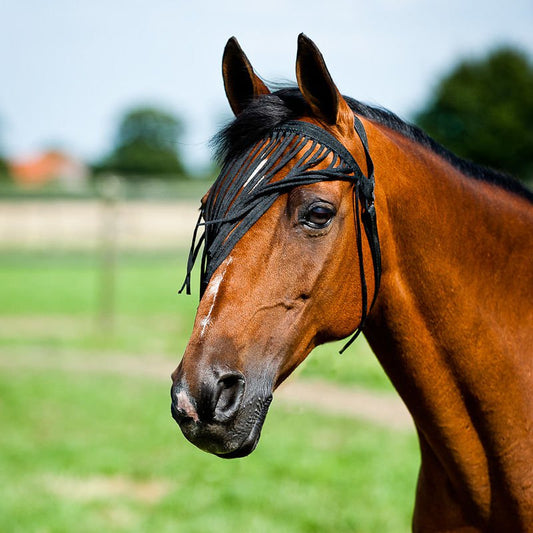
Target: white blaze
{"points": [[212, 292]]}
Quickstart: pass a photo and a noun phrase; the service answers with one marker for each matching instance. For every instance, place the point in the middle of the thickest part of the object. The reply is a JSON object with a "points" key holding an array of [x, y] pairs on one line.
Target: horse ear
{"points": [[242, 85], [316, 84]]}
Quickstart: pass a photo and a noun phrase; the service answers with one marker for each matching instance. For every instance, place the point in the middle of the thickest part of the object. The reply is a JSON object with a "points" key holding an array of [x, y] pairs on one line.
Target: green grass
{"points": [[53, 299], [97, 452]]}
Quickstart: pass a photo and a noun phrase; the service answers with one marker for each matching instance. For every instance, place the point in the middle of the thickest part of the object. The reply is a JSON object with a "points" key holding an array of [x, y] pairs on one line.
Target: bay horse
{"points": [[443, 292]]}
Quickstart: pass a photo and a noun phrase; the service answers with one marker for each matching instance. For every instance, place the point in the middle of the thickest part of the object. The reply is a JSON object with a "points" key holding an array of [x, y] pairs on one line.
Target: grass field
{"points": [[100, 453], [91, 452]]}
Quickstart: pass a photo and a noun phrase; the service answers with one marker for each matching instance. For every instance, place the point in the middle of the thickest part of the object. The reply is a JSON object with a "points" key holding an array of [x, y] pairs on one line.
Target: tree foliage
{"points": [[483, 111], [146, 144], [4, 170]]}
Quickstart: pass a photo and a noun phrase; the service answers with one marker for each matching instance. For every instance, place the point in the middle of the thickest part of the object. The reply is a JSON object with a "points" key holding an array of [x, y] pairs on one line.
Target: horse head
{"points": [[284, 262]]}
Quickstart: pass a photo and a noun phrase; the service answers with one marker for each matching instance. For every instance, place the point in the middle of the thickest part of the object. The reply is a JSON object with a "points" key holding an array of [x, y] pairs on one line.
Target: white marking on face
{"points": [[212, 292], [186, 406]]}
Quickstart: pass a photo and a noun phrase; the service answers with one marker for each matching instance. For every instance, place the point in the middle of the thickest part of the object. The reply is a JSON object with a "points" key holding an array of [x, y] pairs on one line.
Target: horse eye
{"points": [[318, 216]]}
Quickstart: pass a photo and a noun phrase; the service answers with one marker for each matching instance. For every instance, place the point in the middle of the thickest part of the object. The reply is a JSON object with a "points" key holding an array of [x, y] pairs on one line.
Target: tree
{"points": [[4, 169], [146, 144], [483, 111]]}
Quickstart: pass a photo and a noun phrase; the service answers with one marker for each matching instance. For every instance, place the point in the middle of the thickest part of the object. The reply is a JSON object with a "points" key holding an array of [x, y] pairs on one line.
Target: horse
{"points": [[331, 217]]}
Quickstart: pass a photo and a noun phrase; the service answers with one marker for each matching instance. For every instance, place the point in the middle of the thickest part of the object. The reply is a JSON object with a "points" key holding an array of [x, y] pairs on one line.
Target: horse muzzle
{"points": [[225, 417]]}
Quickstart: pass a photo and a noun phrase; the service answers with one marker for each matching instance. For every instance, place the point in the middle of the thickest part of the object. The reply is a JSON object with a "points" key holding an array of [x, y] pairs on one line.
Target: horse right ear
{"points": [[317, 86], [241, 83]]}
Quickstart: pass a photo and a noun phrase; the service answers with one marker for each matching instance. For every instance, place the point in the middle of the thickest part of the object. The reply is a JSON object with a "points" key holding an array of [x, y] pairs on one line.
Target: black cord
{"points": [[244, 191]]}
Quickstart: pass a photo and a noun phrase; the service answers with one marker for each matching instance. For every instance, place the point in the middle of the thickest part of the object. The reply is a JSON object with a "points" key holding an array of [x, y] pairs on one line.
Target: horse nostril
{"points": [[229, 393]]}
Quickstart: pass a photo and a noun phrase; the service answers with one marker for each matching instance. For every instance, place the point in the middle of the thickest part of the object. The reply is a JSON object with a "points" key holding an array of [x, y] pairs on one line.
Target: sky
{"points": [[71, 68]]}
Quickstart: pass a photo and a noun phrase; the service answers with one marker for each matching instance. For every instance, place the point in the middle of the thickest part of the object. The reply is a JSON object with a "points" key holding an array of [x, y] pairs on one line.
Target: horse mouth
{"points": [[232, 440], [250, 443]]}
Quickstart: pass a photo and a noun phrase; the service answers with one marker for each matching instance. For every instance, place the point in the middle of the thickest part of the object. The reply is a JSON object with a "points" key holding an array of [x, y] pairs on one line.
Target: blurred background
{"points": [[106, 110]]}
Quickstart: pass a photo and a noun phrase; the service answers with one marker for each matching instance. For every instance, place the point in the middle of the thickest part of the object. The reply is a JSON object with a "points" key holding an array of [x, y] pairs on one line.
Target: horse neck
{"points": [[455, 250], [452, 322]]}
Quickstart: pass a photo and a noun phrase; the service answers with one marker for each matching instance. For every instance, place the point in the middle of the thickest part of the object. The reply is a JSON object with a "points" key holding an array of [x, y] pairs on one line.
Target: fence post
{"points": [[109, 188]]}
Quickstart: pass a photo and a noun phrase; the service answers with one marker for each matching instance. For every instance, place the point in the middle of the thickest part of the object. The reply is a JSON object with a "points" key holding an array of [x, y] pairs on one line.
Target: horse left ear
{"points": [[316, 84], [241, 83]]}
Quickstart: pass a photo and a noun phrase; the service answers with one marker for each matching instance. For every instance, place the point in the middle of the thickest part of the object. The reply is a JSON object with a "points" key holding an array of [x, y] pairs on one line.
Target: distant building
{"points": [[48, 167]]}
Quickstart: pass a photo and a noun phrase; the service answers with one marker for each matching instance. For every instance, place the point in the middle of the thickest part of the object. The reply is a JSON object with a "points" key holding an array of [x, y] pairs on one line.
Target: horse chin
{"points": [[245, 449]]}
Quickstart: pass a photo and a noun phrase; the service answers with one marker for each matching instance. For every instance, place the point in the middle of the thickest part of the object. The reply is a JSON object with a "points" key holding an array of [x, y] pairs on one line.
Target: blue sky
{"points": [[71, 67]]}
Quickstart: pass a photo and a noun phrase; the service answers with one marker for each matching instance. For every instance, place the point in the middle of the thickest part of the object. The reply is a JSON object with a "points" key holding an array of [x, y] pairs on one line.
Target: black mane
{"points": [[265, 113]]}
